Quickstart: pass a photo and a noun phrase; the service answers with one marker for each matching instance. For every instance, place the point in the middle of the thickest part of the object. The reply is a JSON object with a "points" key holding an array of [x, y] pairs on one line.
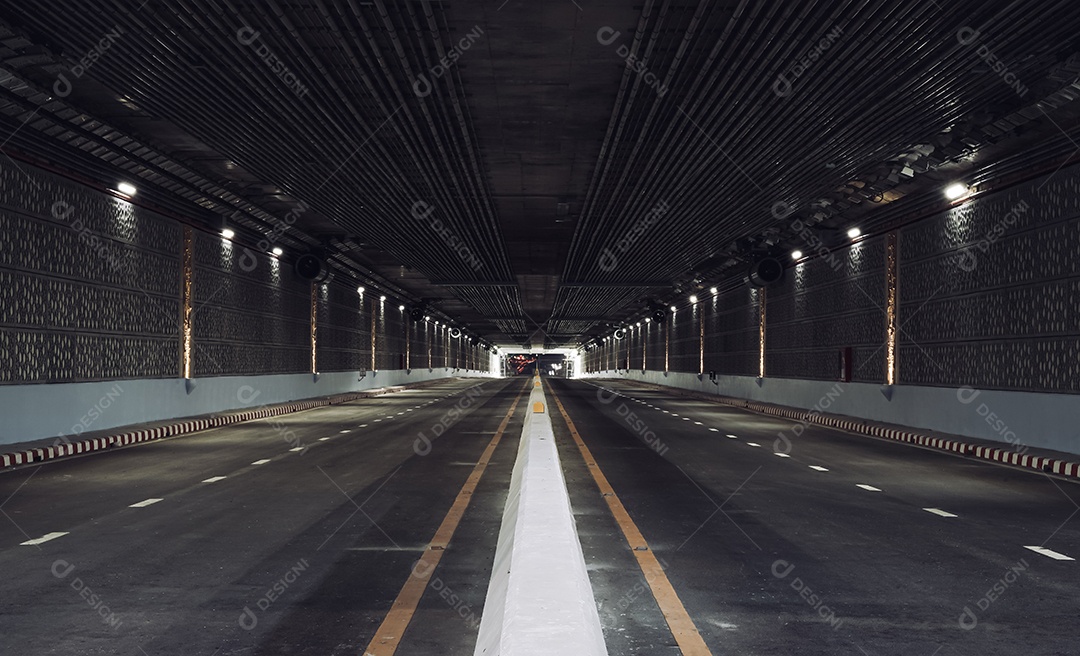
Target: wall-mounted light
{"points": [[228, 233], [401, 307], [648, 319], [127, 189], [956, 190], [796, 255], [360, 290], [714, 291], [854, 233], [693, 298], [639, 323], [673, 308], [277, 251], [382, 299]]}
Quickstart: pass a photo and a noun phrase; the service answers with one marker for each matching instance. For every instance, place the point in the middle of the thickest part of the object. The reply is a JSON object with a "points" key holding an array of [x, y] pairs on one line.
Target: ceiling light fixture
{"points": [[127, 188], [228, 233], [854, 233], [796, 255], [956, 190]]}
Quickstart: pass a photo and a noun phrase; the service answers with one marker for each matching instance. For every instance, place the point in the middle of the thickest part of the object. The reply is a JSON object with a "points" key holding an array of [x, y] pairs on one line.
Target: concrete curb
{"points": [[64, 449], [865, 427]]}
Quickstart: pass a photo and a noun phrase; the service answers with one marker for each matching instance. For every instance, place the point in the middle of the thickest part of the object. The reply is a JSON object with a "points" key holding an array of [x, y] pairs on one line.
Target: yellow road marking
{"points": [[682, 627], [388, 636]]}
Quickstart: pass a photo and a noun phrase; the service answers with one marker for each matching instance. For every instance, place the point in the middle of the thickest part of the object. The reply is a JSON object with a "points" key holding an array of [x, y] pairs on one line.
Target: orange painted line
{"points": [[389, 634], [678, 620]]}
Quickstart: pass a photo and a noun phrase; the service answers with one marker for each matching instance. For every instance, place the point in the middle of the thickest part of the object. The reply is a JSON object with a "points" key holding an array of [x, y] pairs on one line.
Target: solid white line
{"points": [[818, 468], [781, 455], [298, 448], [753, 444], [143, 504], [44, 538], [1049, 553], [214, 479], [939, 512], [261, 462], [868, 488]]}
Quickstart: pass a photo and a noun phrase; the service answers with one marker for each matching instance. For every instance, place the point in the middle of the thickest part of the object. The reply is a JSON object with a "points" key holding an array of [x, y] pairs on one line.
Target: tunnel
{"points": [[510, 328]]}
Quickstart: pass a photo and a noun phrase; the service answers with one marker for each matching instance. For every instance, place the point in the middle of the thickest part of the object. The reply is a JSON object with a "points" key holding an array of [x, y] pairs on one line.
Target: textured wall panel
{"points": [[824, 305], [684, 328], [731, 332], [251, 317], [344, 336], [990, 291], [89, 284]]}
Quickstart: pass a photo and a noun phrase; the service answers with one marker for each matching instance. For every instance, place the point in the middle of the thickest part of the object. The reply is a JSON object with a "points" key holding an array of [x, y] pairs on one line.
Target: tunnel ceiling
{"points": [[568, 160]]}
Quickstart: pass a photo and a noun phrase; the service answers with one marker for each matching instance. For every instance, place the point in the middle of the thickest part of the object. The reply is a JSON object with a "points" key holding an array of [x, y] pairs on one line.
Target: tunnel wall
{"points": [[987, 300], [91, 298]]}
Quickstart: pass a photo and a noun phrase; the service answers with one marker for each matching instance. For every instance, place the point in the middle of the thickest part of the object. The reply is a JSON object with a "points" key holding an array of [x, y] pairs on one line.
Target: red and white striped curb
{"points": [[64, 449], [1061, 467]]}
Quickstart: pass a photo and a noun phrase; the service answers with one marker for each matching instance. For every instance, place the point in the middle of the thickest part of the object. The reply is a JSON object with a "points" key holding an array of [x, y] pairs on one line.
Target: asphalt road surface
{"points": [[294, 535]]}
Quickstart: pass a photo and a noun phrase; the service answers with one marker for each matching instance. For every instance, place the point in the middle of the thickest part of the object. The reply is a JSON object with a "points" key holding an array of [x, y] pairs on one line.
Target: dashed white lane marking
{"points": [[378, 420], [781, 455], [42, 539], [322, 439], [699, 423], [939, 512], [345, 431], [818, 468], [409, 410], [261, 462], [734, 437], [363, 425], [402, 412], [686, 418], [1049, 553], [755, 444], [715, 430], [868, 488], [215, 479], [296, 448], [145, 503]]}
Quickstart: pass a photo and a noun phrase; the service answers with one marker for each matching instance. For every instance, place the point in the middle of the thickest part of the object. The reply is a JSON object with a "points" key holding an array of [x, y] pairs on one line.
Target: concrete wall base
{"points": [[1037, 420], [39, 411]]}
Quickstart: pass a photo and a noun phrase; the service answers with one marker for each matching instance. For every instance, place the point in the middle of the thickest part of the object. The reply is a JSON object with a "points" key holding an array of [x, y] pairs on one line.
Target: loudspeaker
{"points": [[765, 272], [310, 267]]}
